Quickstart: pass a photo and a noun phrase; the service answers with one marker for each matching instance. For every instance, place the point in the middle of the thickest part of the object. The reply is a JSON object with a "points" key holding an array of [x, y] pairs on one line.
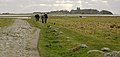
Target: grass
{"points": [[63, 34], [5, 22]]}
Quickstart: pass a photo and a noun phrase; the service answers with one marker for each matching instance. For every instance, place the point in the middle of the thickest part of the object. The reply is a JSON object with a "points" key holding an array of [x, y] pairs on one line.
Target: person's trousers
{"points": [[37, 19], [44, 20]]}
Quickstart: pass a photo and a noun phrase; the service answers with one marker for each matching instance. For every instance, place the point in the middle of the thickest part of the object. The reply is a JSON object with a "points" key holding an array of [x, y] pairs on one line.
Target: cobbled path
{"points": [[19, 40]]}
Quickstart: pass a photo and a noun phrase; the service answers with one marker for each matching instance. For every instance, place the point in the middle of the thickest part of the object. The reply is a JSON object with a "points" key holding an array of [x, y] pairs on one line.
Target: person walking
{"points": [[37, 17], [46, 17], [43, 18]]}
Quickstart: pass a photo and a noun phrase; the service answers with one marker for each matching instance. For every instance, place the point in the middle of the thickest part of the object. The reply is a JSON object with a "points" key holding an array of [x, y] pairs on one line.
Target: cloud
{"points": [[42, 4], [105, 1], [48, 5], [63, 1], [94, 0], [64, 6]]}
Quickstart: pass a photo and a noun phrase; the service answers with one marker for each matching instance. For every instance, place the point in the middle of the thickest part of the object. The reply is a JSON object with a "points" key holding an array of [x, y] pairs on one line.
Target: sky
{"points": [[21, 6]]}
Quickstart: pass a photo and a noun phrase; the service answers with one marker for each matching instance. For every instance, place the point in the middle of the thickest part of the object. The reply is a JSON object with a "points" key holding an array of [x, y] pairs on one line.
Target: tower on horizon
{"points": [[78, 8]]}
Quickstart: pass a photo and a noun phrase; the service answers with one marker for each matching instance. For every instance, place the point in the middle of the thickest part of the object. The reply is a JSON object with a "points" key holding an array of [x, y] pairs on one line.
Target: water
{"points": [[16, 16], [28, 15], [82, 15]]}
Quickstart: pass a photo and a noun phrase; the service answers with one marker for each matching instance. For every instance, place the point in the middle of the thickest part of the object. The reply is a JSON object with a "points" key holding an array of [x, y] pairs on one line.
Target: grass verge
{"points": [[62, 36], [5, 22]]}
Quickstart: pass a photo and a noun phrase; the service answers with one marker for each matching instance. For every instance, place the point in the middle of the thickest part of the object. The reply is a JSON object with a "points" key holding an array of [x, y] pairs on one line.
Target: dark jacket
{"points": [[46, 16], [37, 16]]}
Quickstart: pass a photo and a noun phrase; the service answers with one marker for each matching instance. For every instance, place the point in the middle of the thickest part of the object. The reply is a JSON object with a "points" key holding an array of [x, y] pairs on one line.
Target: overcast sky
{"points": [[49, 5]]}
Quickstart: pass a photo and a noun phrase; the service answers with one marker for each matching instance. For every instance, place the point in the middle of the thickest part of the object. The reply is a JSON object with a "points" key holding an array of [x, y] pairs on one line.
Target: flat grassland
{"points": [[63, 35], [5, 22]]}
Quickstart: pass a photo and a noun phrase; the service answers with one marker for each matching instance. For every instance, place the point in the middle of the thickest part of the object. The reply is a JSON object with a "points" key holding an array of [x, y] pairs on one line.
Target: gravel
{"points": [[15, 39]]}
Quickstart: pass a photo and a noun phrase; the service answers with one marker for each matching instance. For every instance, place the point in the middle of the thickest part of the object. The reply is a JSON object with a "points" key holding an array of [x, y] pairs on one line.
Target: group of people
{"points": [[43, 17]]}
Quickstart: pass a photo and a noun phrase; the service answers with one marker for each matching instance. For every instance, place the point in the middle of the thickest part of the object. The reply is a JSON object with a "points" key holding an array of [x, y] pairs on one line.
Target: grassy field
{"points": [[63, 35], [5, 22]]}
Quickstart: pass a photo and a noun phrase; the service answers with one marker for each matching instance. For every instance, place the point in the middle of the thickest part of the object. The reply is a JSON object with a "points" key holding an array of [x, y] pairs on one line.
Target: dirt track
{"points": [[19, 40]]}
